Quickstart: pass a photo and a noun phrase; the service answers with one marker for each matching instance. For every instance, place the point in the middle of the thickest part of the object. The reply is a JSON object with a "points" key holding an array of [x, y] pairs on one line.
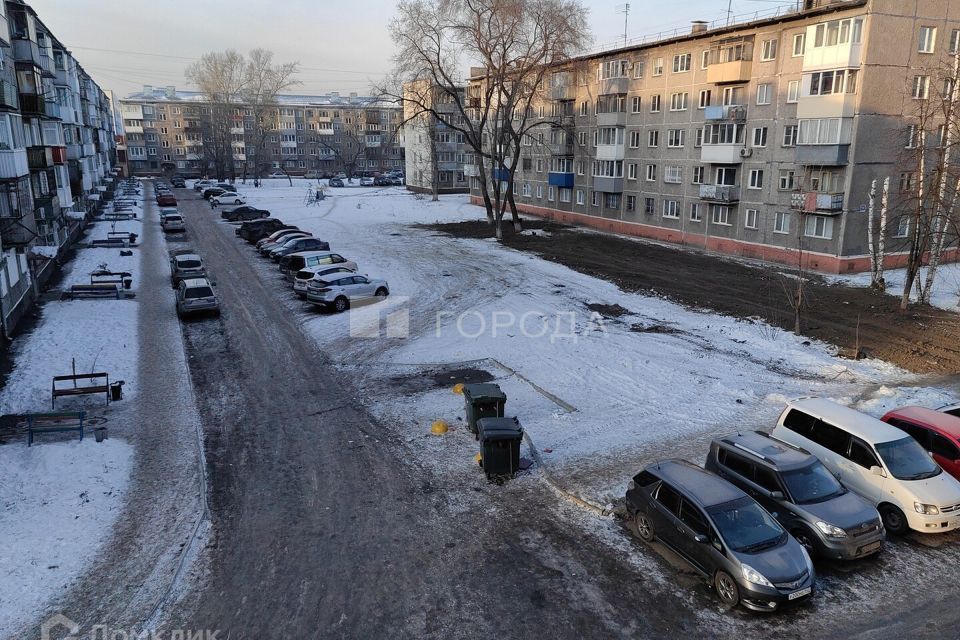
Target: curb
{"points": [[595, 509]]}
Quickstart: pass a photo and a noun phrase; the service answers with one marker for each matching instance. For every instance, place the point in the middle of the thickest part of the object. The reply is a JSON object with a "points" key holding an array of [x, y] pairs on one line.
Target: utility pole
{"points": [[625, 10], [729, 11]]}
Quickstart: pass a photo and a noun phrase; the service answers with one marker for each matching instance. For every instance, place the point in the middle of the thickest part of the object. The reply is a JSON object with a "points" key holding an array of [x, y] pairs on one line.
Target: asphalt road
{"points": [[322, 525]]}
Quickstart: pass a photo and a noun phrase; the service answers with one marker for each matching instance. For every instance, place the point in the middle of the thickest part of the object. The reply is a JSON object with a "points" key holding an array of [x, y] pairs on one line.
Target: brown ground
{"points": [[922, 340]]}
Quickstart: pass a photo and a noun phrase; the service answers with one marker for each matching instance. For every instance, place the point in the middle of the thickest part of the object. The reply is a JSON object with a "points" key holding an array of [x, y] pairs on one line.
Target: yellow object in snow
{"points": [[458, 388], [479, 459], [439, 427]]}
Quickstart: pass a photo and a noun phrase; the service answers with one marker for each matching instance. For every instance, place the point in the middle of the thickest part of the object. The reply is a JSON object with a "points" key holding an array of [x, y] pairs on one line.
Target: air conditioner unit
{"points": [[746, 153]]}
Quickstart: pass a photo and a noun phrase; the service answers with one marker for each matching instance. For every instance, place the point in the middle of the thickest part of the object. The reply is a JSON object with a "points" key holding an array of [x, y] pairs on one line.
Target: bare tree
{"points": [[221, 77], [264, 81], [347, 147], [513, 43]]}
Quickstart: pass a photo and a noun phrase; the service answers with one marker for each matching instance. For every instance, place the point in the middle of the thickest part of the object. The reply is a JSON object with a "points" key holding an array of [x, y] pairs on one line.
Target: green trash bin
{"points": [[483, 401], [500, 445]]}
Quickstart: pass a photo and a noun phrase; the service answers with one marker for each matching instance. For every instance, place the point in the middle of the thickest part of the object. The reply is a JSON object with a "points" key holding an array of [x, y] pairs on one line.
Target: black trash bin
{"points": [[500, 445], [116, 391], [483, 401]]}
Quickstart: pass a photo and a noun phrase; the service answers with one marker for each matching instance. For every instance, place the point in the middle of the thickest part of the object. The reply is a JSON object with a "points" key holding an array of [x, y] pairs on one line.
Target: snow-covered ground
{"points": [[946, 285], [60, 497]]}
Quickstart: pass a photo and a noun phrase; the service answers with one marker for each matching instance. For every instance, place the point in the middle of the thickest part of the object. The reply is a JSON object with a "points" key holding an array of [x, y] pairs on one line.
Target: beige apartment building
{"points": [[435, 154], [165, 130], [758, 139]]}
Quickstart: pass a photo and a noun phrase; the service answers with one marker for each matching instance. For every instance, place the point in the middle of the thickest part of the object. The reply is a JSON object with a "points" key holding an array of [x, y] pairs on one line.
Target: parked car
{"points": [[172, 223], [294, 262], [805, 498], [340, 175], [297, 245], [383, 181], [397, 181], [723, 533], [230, 197], [276, 235], [185, 264], [178, 183], [878, 461], [209, 192], [321, 273], [166, 200], [335, 182], [952, 409], [936, 431], [244, 212], [366, 182], [277, 174], [226, 186], [195, 296], [311, 175], [200, 185], [165, 211], [256, 230], [270, 246], [339, 293]]}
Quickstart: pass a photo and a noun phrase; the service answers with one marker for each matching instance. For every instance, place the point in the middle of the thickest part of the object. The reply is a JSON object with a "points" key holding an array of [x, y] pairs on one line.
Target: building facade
{"points": [[56, 149], [165, 131], [435, 154], [758, 139]]}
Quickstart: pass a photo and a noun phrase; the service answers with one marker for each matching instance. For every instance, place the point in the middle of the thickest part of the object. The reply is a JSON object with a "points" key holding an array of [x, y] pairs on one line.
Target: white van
{"points": [[878, 461]]}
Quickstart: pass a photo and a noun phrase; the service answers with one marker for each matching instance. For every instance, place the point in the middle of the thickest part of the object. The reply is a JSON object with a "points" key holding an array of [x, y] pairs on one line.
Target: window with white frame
{"points": [[698, 173], [580, 164], [787, 178], [595, 198], [635, 104], [671, 208], [681, 63], [673, 175], [638, 68], [580, 196], [676, 138], [608, 168], [584, 108], [903, 227], [527, 190], [582, 138], [914, 136], [632, 171], [760, 136], [540, 191], [781, 222], [825, 83], [655, 104], [726, 176], [565, 195], [658, 67], [704, 100], [705, 58], [954, 41], [819, 131], [695, 215], [793, 91], [539, 165], [653, 138], [768, 50], [649, 205], [651, 173], [550, 194], [756, 179], [635, 139], [921, 87], [678, 101], [698, 137], [750, 218], [928, 40], [612, 201], [613, 69], [790, 135], [799, 44], [819, 227], [838, 32], [907, 181], [720, 214], [631, 203], [764, 93]]}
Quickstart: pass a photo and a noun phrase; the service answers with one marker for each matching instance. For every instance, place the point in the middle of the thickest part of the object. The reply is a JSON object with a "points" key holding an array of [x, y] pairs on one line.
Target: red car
{"points": [[166, 200], [937, 432]]}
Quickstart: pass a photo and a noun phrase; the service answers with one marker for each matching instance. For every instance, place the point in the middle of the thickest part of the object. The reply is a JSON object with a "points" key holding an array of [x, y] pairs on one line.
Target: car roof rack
{"points": [[783, 442]]}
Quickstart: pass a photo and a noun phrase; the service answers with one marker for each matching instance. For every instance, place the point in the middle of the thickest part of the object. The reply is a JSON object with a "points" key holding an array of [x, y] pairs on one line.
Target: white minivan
{"points": [[876, 460]]}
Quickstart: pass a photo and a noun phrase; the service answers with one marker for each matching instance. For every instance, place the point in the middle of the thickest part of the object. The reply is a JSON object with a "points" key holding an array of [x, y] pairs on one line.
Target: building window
{"points": [[698, 137], [631, 203], [786, 180], [760, 137], [582, 138], [819, 131], [580, 196], [906, 181], [704, 100], [903, 227], [829, 82], [921, 87], [635, 104], [782, 223], [580, 167], [527, 190], [673, 175], [726, 176], [799, 44], [793, 91], [655, 104], [954, 41], [928, 39], [550, 194], [695, 215], [698, 173], [632, 171], [764, 91], [653, 138], [678, 101], [595, 198], [638, 69], [651, 173], [750, 219], [539, 165], [790, 135], [768, 50], [540, 191], [671, 209], [658, 67], [681, 63], [635, 139], [584, 109], [565, 195], [676, 138], [756, 179], [720, 214], [649, 206], [705, 59], [819, 227], [612, 201], [838, 32], [613, 69]]}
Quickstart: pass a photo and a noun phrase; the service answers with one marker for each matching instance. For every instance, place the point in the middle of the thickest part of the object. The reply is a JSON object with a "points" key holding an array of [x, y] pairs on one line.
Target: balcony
{"points": [[88, 149], [814, 202], [842, 56], [13, 163], [613, 86], [723, 153], [565, 92], [4, 29], [74, 151], [612, 119], [471, 170], [32, 104], [448, 165], [39, 157], [53, 109], [26, 51], [501, 174], [610, 152], [730, 72], [607, 185], [719, 193], [562, 149], [727, 113], [8, 95], [561, 179], [59, 155], [47, 207], [826, 155], [837, 105], [46, 65]]}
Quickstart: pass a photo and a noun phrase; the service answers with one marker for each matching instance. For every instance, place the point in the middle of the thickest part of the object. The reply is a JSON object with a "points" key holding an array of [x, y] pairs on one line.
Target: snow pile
{"points": [[58, 503], [946, 286], [44, 251], [76, 215]]}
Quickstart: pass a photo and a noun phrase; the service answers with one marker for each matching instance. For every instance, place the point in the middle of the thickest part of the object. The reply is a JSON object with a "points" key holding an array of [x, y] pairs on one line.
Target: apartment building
{"points": [[165, 129], [435, 153], [758, 139], [56, 150]]}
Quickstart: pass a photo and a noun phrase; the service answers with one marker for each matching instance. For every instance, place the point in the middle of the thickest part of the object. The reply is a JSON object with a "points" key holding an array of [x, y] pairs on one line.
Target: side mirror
{"points": [[930, 453], [776, 495], [702, 539], [775, 514], [878, 471]]}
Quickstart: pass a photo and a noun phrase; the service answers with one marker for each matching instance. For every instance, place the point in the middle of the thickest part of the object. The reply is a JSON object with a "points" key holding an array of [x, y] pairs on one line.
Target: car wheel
{"points": [[893, 519], [806, 539], [381, 293], [340, 304], [237, 201], [644, 526], [727, 588]]}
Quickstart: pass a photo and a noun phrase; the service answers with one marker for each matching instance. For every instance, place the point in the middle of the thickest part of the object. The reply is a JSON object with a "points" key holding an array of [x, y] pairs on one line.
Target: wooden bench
{"points": [[98, 290], [92, 387], [119, 216], [54, 422], [109, 277]]}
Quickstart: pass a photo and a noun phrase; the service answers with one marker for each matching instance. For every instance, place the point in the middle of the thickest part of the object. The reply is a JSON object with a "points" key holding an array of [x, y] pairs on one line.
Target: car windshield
{"points": [[173, 219], [746, 527], [907, 460], [198, 292], [189, 264], [812, 484]]}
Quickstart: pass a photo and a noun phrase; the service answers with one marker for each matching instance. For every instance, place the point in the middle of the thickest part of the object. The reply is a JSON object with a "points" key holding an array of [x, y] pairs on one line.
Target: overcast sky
{"points": [[341, 45]]}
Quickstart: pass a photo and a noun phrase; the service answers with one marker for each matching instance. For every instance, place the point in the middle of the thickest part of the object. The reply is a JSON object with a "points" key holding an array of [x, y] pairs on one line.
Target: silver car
{"points": [[195, 296], [319, 274], [173, 223], [339, 293], [185, 264]]}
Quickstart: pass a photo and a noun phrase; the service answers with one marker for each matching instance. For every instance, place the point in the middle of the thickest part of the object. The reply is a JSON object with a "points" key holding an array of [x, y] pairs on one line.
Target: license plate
{"points": [[873, 546], [800, 594]]}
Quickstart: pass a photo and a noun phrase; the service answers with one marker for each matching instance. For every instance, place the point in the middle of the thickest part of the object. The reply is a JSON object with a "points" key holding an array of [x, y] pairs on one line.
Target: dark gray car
{"points": [[810, 503], [722, 533]]}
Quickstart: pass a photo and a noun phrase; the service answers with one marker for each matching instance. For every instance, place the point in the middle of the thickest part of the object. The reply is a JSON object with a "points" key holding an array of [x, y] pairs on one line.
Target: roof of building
{"points": [[704, 487], [172, 94]]}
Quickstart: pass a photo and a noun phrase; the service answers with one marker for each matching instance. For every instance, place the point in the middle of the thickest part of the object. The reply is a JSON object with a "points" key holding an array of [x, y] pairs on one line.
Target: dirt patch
{"points": [[608, 310], [922, 339], [652, 328], [438, 379]]}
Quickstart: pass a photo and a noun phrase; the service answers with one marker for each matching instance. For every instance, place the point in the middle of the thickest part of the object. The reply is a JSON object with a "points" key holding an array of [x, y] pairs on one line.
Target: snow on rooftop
{"points": [[161, 94]]}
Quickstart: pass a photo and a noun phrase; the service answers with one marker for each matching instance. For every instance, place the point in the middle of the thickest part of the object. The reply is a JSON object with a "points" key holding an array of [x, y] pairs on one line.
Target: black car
{"points": [[226, 186], [258, 229], [382, 181], [244, 212], [336, 182], [722, 533], [212, 191], [178, 183]]}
